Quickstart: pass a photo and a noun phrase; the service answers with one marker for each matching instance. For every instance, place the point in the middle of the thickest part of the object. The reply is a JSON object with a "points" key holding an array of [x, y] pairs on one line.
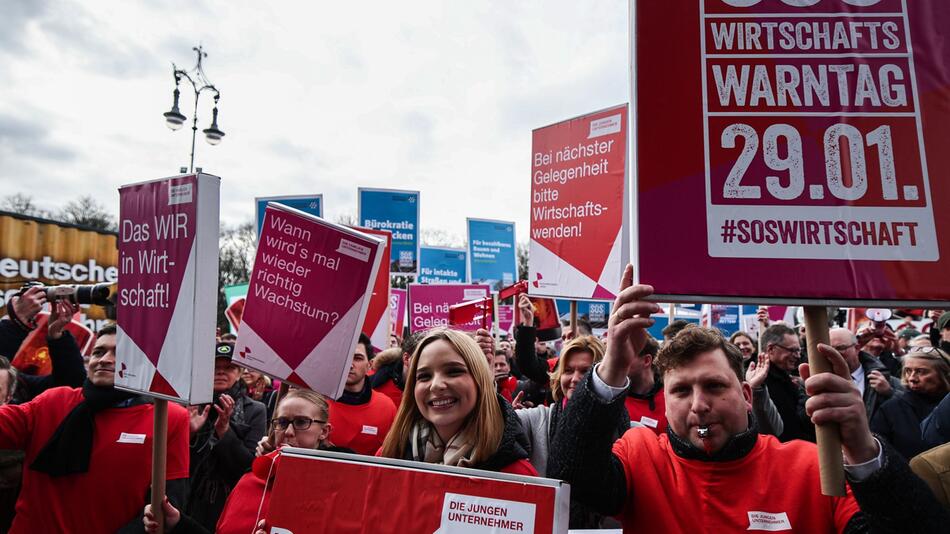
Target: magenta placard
{"points": [[306, 300], [168, 233], [506, 317], [429, 304], [397, 309]]}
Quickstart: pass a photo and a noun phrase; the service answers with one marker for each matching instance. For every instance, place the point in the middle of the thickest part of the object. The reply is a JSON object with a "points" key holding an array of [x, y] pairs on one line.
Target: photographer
{"points": [[67, 362], [21, 311]]}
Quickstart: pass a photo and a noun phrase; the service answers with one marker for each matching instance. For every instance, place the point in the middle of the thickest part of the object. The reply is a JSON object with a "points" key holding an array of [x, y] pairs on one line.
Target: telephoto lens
{"points": [[97, 294]]}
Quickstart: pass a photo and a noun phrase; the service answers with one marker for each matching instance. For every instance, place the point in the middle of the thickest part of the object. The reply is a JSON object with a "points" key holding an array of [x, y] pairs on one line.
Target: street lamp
{"points": [[199, 82]]}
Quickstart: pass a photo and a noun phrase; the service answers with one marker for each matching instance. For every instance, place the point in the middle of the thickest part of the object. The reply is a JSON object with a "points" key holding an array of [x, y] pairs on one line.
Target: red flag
{"points": [[33, 356], [472, 310]]}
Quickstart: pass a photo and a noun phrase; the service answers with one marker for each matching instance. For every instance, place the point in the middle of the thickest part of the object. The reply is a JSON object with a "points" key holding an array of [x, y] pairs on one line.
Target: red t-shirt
{"points": [[247, 501], [113, 491], [361, 427], [640, 412], [391, 390], [776, 487]]}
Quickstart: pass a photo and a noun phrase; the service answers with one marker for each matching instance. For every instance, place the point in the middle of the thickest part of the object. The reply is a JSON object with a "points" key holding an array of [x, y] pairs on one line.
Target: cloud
{"points": [[21, 137], [17, 16]]}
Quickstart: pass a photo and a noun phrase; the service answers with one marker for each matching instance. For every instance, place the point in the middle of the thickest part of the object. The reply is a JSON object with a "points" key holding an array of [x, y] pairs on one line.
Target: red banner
{"points": [[358, 494], [376, 325]]}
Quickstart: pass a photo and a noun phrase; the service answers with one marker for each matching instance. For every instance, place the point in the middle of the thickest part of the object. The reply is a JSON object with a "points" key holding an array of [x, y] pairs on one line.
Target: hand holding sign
{"points": [[835, 400]]}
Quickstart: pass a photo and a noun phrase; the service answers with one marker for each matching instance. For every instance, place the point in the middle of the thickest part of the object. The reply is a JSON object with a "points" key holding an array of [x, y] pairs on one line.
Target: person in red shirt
{"points": [[711, 471], [506, 383], [645, 402], [301, 420], [90, 445], [456, 418], [361, 417]]}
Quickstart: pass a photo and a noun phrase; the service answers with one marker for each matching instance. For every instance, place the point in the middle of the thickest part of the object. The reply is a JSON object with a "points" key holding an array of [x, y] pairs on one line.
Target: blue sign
{"points": [[491, 253], [594, 312], [438, 265], [725, 317], [312, 204], [663, 320], [398, 212]]}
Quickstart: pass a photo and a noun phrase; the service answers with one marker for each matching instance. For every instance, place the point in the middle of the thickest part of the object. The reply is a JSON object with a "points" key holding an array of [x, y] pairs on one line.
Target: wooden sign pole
{"points": [[830, 461], [159, 456]]}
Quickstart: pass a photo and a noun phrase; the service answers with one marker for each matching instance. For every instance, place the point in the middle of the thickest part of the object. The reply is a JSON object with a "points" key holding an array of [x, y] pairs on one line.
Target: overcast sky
{"points": [[317, 97]]}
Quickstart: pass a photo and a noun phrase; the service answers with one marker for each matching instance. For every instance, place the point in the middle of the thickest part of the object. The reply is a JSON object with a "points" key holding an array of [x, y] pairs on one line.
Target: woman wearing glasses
{"points": [[926, 375], [300, 421], [450, 413]]}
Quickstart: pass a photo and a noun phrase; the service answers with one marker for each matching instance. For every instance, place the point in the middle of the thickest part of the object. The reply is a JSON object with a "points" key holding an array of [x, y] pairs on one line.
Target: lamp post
{"points": [[199, 82]]}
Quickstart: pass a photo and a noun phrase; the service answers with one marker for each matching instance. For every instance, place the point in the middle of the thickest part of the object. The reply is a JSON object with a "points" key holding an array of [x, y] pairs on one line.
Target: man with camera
{"points": [[88, 450], [66, 360]]}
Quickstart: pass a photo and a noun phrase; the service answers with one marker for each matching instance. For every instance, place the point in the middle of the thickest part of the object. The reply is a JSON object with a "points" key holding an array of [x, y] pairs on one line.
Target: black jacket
{"points": [[789, 399], [898, 421], [893, 499], [532, 366], [218, 464], [873, 400]]}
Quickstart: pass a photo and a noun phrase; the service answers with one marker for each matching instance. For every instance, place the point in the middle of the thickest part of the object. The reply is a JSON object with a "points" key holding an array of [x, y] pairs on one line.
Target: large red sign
{"points": [[578, 241], [796, 149], [348, 493]]}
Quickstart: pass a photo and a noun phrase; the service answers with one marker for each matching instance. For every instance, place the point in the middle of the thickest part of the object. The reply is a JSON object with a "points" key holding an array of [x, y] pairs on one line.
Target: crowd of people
{"points": [[694, 432]]}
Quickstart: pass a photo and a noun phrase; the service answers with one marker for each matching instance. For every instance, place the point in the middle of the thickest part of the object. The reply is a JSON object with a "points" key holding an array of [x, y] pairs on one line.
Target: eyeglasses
{"points": [[300, 423], [842, 348], [796, 350]]}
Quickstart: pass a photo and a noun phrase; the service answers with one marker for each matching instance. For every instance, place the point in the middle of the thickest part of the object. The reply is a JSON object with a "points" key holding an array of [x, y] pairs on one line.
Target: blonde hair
{"points": [[318, 400], [486, 416], [579, 344]]}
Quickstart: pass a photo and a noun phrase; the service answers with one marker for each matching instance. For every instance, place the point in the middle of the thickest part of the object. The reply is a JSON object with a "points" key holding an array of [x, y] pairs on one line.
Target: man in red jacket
{"points": [[88, 452], [361, 417], [711, 471]]}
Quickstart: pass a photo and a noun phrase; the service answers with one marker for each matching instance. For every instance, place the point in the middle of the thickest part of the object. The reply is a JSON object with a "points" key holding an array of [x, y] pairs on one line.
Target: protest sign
{"points": [[594, 312], [579, 232], [307, 299], [814, 176], [235, 297], [429, 304], [692, 314], [168, 281], [420, 497], [441, 265], [376, 325], [312, 204], [398, 212], [725, 318], [491, 252], [506, 318], [397, 310]]}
